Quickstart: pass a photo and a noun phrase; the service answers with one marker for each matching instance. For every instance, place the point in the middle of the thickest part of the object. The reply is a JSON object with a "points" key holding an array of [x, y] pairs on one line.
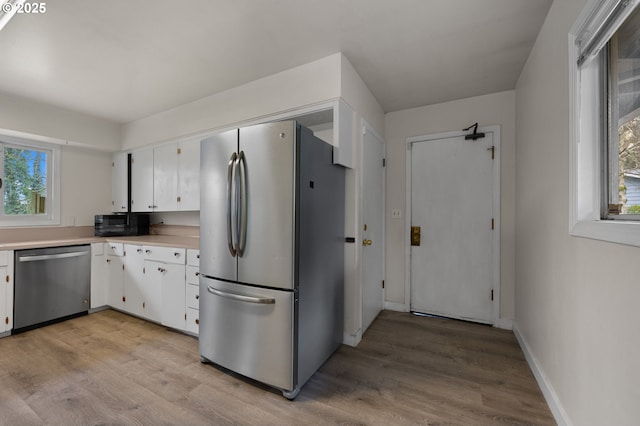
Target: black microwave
{"points": [[121, 224]]}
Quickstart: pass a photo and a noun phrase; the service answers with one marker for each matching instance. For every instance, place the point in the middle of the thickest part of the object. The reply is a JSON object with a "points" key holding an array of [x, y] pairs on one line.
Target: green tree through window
{"points": [[25, 185]]}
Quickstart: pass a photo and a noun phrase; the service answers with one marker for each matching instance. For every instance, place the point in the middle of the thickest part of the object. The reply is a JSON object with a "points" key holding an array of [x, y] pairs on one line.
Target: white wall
{"points": [[23, 115], [85, 186], [301, 86], [577, 300], [494, 109], [85, 162]]}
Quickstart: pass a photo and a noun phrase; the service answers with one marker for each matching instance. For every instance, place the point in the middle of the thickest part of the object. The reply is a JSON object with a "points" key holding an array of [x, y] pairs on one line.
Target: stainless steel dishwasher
{"points": [[50, 284]]}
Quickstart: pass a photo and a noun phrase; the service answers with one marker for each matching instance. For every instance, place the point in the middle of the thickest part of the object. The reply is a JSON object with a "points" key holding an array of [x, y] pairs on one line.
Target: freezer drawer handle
{"points": [[241, 298], [51, 256]]}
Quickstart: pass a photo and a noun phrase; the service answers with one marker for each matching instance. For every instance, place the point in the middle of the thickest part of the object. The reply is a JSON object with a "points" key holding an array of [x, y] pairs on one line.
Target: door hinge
{"points": [[178, 199], [382, 283], [123, 267], [493, 224], [491, 294], [185, 316], [384, 162], [179, 151]]}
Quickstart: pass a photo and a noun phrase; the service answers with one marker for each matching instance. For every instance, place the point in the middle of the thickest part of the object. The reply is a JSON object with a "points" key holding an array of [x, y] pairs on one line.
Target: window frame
{"points": [[588, 128], [52, 215]]}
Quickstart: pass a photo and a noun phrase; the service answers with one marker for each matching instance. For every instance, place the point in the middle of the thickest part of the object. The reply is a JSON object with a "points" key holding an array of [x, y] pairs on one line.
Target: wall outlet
{"points": [[396, 214]]}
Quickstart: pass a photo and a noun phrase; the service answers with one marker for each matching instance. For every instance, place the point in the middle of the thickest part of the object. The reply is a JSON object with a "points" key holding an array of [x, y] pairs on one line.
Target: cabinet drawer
{"points": [[193, 321], [193, 275], [193, 296], [165, 254], [114, 249], [193, 257]]}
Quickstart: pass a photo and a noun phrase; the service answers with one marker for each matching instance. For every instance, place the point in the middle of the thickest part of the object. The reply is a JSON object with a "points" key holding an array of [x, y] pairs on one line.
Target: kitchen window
{"points": [[604, 61], [29, 183]]}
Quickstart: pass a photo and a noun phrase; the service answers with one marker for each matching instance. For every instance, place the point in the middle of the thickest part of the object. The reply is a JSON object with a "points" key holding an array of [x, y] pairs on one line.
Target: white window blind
{"points": [[600, 27]]}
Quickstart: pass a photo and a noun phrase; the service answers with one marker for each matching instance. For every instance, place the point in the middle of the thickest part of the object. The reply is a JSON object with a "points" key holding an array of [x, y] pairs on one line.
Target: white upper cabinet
{"points": [[189, 174], [119, 194], [142, 180], [165, 177], [176, 176]]}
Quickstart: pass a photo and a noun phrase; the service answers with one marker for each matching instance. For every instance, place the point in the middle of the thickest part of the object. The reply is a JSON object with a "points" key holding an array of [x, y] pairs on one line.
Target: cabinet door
{"points": [[142, 180], [152, 290], [133, 280], [98, 276], [6, 296], [4, 308], [114, 281], [173, 295], [189, 174], [165, 177], [119, 190]]}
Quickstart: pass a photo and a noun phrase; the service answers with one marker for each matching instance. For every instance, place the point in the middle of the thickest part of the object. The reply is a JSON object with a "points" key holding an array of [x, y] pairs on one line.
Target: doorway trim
{"points": [[496, 213]]}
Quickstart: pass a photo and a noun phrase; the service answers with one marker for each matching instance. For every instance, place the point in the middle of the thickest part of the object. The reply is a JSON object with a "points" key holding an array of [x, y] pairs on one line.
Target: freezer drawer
{"points": [[248, 330]]}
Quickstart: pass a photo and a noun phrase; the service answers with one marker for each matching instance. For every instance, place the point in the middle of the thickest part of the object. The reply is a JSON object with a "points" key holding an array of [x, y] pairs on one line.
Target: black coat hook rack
{"points": [[475, 135]]}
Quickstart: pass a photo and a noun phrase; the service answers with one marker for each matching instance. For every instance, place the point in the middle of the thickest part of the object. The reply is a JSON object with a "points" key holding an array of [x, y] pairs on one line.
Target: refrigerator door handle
{"points": [[242, 298], [230, 168], [242, 240]]}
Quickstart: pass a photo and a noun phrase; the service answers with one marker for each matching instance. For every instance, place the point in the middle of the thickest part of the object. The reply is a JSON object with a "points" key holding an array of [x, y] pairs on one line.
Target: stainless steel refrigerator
{"points": [[271, 253]]}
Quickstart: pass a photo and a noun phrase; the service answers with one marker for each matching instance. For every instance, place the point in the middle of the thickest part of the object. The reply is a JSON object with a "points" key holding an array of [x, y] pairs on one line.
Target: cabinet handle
{"points": [[197, 274], [197, 296], [176, 254], [148, 251], [108, 260], [139, 250], [198, 256], [162, 270], [124, 299]]}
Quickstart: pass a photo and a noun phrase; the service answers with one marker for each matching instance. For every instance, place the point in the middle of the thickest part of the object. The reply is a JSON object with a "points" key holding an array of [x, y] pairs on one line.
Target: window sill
{"points": [[619, 232]]}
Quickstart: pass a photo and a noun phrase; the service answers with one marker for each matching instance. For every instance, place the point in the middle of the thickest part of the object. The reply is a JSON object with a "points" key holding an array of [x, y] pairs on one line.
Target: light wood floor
{"points": [[110, 368]]}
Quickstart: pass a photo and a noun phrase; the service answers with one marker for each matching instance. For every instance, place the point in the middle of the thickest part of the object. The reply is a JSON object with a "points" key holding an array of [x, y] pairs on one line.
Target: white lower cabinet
{"points": [[193, 291], [6, 290], [165, 269], [149, 282], [99, 283], [114, 260]]}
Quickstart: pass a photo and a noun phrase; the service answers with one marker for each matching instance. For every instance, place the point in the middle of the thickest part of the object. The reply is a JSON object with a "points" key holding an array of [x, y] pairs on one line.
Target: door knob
{"points": [[366, 242]]}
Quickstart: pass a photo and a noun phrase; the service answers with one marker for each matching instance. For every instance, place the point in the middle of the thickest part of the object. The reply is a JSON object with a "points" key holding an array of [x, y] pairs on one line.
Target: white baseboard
{"points": [[352, 339], [504, 323], [547, 390], [394, 306]]}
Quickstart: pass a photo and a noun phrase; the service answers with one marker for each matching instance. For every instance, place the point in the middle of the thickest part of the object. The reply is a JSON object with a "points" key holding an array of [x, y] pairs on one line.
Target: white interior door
{"points": [[372, 230], [452, 197]]}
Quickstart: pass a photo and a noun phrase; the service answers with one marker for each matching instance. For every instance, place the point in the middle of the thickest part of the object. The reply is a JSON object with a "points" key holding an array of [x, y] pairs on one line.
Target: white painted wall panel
{"points": [[576, 299]]}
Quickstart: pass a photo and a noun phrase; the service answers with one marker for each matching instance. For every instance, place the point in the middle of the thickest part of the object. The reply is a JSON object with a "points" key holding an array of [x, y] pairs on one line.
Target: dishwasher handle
{"points": [[51, 256]]}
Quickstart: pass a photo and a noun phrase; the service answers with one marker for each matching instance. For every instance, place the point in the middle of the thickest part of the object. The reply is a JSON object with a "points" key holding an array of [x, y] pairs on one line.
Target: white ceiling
{"points": [[127, 59]]}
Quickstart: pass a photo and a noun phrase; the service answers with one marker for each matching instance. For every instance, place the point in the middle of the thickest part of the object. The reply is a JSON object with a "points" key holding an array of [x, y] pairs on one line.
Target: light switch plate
{"points": [[396, 214]]}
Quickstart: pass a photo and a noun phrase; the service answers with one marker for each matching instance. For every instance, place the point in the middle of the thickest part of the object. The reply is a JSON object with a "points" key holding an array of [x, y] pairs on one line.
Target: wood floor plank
{"points": [[111, 368]]}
